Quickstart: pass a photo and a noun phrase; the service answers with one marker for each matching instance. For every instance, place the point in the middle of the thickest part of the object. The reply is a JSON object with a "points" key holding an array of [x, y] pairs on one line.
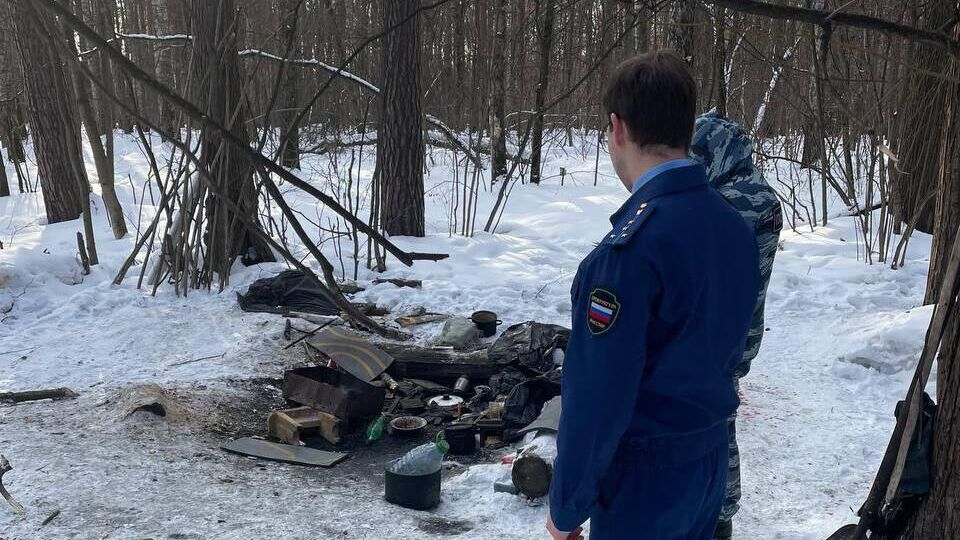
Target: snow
{"points": [[817, 408], [314, 62]]}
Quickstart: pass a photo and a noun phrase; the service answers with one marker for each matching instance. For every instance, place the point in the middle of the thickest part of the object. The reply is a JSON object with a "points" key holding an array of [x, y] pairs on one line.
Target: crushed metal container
{"points": [[333, 392]]}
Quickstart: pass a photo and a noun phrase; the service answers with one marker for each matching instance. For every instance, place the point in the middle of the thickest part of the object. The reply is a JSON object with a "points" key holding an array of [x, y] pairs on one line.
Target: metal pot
{"points": [[416, 492], [486, 322], [462, 438]]}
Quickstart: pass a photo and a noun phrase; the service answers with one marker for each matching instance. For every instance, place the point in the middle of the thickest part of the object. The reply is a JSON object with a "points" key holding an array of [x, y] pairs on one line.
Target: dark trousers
{"points": [[731, 500], [680, 502]]}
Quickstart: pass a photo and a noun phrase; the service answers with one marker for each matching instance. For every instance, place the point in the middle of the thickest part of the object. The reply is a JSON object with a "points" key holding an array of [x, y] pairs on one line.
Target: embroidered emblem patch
{"points": [[604, 308]]}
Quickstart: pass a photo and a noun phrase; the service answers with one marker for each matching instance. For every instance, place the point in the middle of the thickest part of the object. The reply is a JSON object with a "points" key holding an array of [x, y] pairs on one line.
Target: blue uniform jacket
{"points": [[661, 309]]}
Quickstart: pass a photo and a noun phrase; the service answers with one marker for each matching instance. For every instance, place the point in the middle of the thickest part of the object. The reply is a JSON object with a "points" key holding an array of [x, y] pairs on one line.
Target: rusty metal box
{"points": [[334, 392]]}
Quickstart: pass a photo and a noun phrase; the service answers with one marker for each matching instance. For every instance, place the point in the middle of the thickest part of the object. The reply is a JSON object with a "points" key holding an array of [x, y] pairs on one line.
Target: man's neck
{"points": [[646, 159]]}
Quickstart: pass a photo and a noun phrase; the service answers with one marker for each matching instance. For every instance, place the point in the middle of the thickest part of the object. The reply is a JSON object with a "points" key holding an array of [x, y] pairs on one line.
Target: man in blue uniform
{"points": [[661, 310]]}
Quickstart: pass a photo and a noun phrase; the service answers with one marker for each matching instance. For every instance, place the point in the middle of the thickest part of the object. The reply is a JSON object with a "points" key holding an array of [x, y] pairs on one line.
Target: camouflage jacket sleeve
{"points": [[767, 227]]}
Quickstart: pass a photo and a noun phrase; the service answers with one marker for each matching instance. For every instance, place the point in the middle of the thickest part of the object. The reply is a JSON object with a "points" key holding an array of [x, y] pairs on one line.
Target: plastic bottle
{"points": [[422, 460], [376, 428]]}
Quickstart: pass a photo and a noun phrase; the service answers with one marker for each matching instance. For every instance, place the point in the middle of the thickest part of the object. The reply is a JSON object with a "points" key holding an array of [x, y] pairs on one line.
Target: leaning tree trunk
{"points": [[400, 140], [218, 93], [101, 158], [56, 135], [546, 44]]}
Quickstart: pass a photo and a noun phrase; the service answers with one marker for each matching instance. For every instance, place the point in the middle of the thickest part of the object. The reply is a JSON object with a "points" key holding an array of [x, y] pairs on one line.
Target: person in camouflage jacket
{"points": [[727, 153]]}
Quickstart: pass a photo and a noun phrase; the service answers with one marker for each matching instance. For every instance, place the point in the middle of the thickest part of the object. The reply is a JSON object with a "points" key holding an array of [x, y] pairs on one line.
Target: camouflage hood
{"points": [[723, 149], [727, 153]]}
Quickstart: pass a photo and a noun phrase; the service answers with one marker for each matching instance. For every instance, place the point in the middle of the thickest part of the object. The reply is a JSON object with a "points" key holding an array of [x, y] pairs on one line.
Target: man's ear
{"points": [[618, 130]]}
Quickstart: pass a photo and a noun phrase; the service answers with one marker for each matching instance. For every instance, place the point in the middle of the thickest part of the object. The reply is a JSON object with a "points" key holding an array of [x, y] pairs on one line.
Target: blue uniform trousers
{"points": [[667, 501]]}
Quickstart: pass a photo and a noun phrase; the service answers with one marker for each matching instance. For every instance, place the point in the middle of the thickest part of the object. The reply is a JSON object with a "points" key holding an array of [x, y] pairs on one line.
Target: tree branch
{"points": [[827, 19], [195, 114]]}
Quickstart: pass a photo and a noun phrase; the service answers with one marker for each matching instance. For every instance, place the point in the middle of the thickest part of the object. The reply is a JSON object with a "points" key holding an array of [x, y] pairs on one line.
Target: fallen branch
{"points": [[17, 350], [412, 283], [53, 515], [36, 395], [202, 358], [4, 469]]}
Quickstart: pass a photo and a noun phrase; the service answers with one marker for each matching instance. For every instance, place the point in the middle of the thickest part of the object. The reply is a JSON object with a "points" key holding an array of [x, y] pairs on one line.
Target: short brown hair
{"points": [[656, 96]]}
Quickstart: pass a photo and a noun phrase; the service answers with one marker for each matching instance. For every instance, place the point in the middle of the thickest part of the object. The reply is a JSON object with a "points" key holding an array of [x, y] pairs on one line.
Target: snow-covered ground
{"points": [[842, 339]]}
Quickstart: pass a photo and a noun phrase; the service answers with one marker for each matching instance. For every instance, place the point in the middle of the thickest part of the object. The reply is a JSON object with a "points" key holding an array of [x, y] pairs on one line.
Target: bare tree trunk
{"points": [[720, 59], [938, 516], [102, 161], [400, 141], [4, 186], [918, 158], [683, 26], [218, 85], [290, 133], [947, 214], [546, 44], [53, 122], [498, 76]]}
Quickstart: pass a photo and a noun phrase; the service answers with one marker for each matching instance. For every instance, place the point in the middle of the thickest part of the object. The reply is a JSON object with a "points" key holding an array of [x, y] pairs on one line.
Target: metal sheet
{"points": [[297, 455], [549, 419], [352, 353]]}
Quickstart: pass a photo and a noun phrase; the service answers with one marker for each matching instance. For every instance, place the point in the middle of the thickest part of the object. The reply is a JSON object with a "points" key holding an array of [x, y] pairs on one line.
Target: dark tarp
{"points": [[288, 291], [529, 345]]}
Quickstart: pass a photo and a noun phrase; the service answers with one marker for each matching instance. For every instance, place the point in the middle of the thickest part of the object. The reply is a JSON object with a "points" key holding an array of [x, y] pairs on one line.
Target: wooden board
{"points": [[285, 453]]}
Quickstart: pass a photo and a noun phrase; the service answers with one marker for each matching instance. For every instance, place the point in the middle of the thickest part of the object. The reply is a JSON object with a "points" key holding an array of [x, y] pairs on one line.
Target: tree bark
{"points": [[947, 213], [938, 517], [4, 185], [498, 76], [400, 141], [919, 158], [219, 94], [101, 158], [290, 132], [56, 135], [546, 44]]}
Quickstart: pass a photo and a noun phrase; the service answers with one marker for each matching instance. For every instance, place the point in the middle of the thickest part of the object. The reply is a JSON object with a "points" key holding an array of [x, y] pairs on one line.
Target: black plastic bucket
{"points": [[486, 322], [415, 492], [461, 438]]}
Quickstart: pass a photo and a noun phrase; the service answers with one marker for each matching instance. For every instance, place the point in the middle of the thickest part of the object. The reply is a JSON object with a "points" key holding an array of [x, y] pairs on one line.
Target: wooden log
{"points": [[412, 362], [412, 283], [413, 320], [35, 395], [532, 475]]}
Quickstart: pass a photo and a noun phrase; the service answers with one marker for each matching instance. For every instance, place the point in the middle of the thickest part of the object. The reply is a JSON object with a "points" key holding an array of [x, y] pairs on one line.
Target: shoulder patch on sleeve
{"points": [[621, 234], [603, 310]]}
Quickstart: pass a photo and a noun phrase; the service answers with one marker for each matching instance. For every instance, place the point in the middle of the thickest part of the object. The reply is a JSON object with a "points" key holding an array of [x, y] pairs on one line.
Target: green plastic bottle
{"points": [[376, 428]]}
